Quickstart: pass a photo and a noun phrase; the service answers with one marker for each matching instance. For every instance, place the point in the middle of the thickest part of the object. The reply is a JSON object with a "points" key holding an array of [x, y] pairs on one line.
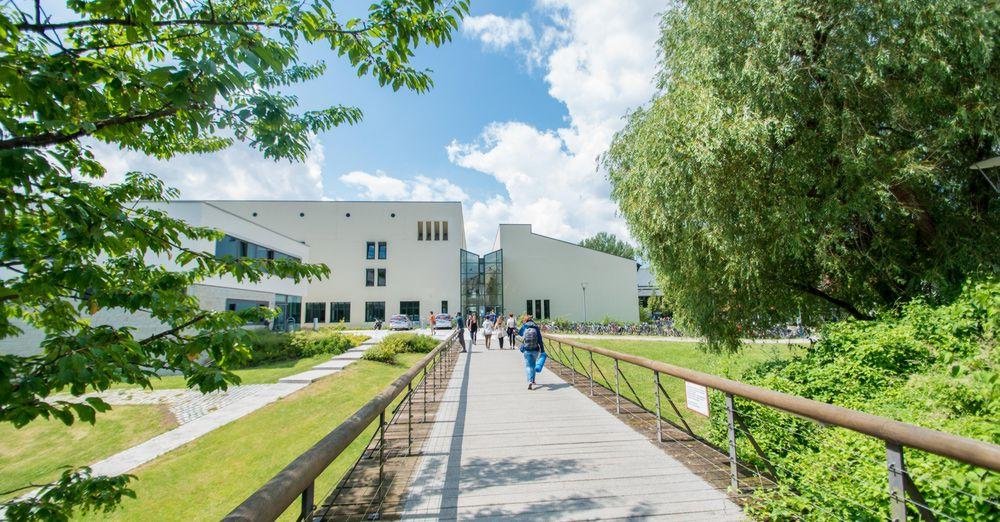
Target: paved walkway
{"points": [[498, 450]]}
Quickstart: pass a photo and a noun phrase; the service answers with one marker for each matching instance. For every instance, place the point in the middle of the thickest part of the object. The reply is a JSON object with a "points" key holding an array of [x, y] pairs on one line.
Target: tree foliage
{"points": [[609, 244], [160, 78], [814, 156]]}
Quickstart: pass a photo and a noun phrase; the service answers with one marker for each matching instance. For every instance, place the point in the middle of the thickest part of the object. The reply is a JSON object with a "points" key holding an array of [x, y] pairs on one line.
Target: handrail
{"points": [[970, 451], [274, 497]]}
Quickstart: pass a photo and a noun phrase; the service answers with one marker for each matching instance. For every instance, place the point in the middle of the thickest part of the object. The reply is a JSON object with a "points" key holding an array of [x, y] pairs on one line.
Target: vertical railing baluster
{"points": [[659, 419], [591, 375], [618, 395], [731, 425], [305, 513], [381, 448], [409, 418], [897, 485]]}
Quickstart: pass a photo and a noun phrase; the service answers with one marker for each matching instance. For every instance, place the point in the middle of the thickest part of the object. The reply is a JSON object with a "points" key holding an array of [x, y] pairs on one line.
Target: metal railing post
{"points": [[423, 394], [897, 486], [659, 419], [618, 395], [734, 479], [308, 495], [409, 418], [572, 351], [591, 375], [381, 448]]}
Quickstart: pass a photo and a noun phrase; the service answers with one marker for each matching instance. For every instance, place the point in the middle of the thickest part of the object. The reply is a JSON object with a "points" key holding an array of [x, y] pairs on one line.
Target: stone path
{"points": [[498, 450]]}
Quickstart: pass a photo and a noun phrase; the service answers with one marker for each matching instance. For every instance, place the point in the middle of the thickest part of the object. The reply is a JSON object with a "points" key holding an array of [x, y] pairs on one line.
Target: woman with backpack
{"points": [[532, 347]]}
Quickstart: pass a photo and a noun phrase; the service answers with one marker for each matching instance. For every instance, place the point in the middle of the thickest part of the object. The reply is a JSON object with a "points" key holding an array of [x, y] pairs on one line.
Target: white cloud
{"points": [[600, 58], [238, 172], [381, 186], [498, 32]]}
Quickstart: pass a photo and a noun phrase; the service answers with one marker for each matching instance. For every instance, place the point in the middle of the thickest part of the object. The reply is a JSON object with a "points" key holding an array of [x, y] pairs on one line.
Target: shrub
{"points": [[380, 353], [266, 346], [325, 340], [394, 344], [934, 366]]}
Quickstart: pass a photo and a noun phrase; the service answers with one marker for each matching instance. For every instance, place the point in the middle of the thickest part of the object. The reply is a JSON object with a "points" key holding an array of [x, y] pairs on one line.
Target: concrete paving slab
{"points": [[307, 377]]}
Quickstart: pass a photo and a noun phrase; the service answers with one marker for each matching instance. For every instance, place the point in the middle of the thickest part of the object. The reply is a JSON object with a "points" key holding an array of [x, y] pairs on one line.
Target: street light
{"points": [[584, 286]]}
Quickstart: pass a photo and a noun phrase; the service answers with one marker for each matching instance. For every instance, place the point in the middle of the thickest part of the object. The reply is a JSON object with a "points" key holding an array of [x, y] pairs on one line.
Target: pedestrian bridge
{"points": [[460, 437]]}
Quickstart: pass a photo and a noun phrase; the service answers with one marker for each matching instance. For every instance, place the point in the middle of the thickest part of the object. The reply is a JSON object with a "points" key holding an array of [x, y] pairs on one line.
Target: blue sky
{"points": [[526, 97]]}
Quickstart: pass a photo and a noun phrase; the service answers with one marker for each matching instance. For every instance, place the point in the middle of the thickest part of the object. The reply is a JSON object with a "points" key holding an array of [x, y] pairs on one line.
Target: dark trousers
{"points": [[510, 336]]}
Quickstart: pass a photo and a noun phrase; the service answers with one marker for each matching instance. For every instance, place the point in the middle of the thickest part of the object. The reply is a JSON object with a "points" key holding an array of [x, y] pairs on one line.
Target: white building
{"points": [[388, 258]]}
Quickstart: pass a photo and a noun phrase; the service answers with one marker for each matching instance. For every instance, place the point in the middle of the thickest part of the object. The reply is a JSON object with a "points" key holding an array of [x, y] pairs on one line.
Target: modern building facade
{"points": [[388, 258]]}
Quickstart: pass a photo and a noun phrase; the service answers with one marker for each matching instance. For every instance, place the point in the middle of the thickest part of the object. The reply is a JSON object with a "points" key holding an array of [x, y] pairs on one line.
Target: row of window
{"points": [[432, 231], [370, 277], [341, 311], [539, 308], [370, 250], [236, 247]]}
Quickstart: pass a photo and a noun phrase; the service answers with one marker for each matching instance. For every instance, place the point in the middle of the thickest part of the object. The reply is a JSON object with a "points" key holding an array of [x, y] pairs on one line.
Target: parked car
{"points": [[442, 322], [400, 322]]}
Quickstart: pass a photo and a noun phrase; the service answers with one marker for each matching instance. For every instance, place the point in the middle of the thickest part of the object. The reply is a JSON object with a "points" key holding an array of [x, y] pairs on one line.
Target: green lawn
{"points": [[36, 453], [207, 478], [687, 355], [264, 374]]}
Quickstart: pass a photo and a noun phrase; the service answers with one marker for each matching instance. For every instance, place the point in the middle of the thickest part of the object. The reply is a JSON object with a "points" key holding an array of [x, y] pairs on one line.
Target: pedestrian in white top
{"points": [[487, 331]]}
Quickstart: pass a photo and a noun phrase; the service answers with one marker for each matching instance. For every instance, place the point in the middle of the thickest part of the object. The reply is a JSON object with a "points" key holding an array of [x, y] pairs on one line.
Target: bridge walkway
{"points": [[499, 450]]}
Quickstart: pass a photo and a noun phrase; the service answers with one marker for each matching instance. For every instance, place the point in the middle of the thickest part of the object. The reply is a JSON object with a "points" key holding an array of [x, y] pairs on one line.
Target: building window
{"points": [[381, 277], [381, 249], [316, 311], [427, 230], [444, 230], [370, 250], [410, 309], [539, 309], [545, 308], [374, 310], [437, 231], [530, 308], [340, 312], [420, 230], [369, 277], [236, 247], [289, 311], [444, 307]]}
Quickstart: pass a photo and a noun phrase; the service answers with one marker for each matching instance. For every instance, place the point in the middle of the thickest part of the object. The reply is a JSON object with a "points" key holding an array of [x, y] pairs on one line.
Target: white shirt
{"points": [[510, 322]]}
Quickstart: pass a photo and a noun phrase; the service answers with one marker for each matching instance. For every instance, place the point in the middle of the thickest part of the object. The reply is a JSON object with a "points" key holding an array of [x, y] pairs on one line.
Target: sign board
{"points": [[697, 397]]}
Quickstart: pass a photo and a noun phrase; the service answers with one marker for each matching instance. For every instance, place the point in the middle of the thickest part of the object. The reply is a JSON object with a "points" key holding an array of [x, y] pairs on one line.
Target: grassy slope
{"points": [[687, 355], [35, 453], [264, 374], [205, 479]]}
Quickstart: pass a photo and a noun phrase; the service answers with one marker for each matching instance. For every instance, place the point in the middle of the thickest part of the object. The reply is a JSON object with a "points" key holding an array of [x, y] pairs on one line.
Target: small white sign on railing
{"points": [[697, 397]]}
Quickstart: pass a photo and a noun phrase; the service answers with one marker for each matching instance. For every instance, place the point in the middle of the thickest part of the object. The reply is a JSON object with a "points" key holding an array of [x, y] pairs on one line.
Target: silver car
{"points": [[400, 322], [442, 322]]}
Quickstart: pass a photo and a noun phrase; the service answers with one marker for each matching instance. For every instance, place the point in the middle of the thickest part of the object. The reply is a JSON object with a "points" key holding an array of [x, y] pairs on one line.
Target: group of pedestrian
{"points": [[505, 329]]}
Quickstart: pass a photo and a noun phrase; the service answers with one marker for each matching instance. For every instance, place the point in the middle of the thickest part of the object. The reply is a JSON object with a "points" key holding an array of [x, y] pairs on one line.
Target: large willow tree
{"points": [[814, 156], [162, 78]]}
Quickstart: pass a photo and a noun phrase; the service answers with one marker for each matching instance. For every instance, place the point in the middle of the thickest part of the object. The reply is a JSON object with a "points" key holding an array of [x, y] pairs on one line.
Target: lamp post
{"points": [[584, 286]]}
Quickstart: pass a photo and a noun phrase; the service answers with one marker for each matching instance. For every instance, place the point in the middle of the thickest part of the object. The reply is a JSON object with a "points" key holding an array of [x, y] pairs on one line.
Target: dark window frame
{"points": [[370, 250], [372, 311], [381, 277], [406, 306], [383, 249], [338, 308], [310, 312], [369, 277], [444, 306]]}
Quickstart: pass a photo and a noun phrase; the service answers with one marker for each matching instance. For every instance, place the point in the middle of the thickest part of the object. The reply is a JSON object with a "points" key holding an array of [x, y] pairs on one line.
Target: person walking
{"points": [[460, 326], [511, 329], [531, 347], [473, 328], [498, 327], [487, 331], [430, 323]]}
